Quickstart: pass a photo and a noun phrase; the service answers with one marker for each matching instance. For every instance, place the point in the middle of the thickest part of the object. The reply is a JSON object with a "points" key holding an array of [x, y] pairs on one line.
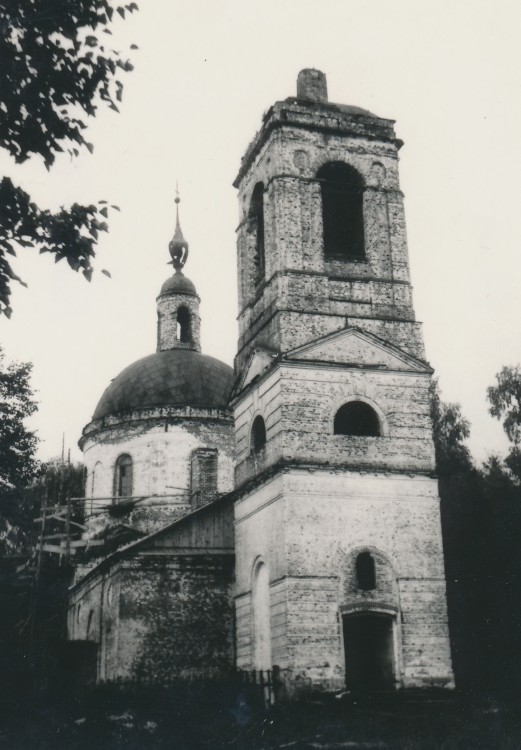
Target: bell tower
{"points": [[339, 558], [321, 239]]}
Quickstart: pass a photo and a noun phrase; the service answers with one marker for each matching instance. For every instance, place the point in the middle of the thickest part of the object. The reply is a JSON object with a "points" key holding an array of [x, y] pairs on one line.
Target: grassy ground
{"points": [[227, 718]]}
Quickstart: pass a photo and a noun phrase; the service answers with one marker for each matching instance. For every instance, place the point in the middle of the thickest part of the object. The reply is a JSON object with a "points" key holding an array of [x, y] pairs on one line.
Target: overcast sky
{"points": [[449, 73]]}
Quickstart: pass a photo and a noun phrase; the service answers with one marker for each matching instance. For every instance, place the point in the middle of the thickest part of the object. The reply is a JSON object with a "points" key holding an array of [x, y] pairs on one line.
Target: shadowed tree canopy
{"points": [[480, 517], [505, 405], [450, 430], [61, 479], [18, 465], [57, 67]]}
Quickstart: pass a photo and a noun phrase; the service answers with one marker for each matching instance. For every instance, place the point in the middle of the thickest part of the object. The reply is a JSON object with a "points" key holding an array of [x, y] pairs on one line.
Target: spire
{"points": [[178, 320], [178, 246]]}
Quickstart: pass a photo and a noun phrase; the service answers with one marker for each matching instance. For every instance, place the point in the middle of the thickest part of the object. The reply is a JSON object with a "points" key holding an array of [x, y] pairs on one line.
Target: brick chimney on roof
{"points": [[312, 85]]}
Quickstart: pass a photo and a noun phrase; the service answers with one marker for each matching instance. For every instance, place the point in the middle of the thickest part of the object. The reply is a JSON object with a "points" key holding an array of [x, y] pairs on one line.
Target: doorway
{"points": [[369, 651]]}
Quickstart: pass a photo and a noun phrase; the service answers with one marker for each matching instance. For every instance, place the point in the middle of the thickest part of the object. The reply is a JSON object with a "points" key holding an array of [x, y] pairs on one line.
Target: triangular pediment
{"points": [[259, 361], [350, 346]]}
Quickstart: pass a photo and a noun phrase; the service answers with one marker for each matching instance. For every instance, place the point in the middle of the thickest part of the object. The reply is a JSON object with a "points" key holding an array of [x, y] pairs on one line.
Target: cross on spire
{"points": [[178, 246]]}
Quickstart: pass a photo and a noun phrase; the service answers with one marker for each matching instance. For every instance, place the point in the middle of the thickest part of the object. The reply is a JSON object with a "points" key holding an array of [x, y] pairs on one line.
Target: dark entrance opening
{"points": [[369, 651]]}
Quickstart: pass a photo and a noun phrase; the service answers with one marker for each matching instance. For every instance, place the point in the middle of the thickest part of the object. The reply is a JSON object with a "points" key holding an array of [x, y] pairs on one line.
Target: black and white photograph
{"points": [[260, 375]]}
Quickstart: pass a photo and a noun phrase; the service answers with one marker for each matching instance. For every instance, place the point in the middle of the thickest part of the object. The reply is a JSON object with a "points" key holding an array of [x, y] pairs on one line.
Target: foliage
{"points": [[505, 405], [505, 400], [450, 429], [62, 480], [18, 465], [481, 524], [57, 68]]}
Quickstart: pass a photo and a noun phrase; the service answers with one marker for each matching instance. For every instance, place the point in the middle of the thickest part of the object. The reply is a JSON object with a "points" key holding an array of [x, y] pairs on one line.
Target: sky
{"points": [[449, 73]]}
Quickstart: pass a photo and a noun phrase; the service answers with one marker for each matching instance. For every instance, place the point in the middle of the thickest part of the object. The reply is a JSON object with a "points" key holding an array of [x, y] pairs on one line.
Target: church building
{"points": [[285, 512]]}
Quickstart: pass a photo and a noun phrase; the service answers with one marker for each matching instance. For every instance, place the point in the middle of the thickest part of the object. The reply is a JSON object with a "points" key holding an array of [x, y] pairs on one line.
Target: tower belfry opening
{"points": [[257, 227], [358, 419], [342, 211], [183, 325]]}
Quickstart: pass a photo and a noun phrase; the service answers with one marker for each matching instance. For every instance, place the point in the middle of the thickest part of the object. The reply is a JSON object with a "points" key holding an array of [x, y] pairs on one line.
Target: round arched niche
{"points": [[257, 434], [358, 567], [261, 616]]}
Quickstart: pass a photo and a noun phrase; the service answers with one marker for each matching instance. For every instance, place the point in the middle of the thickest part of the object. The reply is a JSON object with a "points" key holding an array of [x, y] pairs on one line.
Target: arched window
{"points": [[258, 434], [123, 476], [261, 627], [365, 572], [357, 418], [256, 219], [97, 479], [184, 328], [90, 622], [342, 191], [204, 476]]}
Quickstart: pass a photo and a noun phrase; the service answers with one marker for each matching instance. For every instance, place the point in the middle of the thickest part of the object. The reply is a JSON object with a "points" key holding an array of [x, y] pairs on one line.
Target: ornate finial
{"points": [[178, 246]]}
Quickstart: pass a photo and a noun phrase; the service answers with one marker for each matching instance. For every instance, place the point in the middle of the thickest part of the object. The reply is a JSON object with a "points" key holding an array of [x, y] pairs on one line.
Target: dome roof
{"points": [[176, 377], [178, 283]]}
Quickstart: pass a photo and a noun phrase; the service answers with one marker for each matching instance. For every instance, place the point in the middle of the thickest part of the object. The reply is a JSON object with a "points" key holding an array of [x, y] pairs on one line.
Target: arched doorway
{"points": [[369, 651]]}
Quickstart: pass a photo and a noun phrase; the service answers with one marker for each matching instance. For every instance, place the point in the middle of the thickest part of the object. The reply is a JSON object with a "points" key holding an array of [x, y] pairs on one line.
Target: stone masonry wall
{"points": [[299, 403], [93, 614], [305, 526], [176, 616], [161, 451], [157, 617]]}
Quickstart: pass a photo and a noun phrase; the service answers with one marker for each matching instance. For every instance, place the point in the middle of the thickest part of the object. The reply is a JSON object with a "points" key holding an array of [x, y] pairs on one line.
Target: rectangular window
{"points": [[203, 476]]}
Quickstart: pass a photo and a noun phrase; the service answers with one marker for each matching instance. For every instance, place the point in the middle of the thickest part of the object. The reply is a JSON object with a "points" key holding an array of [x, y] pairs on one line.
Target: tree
{"points": [[450, 429], [61, 479], [481, 524], [18, 464], [56, 70], [505, 405]]}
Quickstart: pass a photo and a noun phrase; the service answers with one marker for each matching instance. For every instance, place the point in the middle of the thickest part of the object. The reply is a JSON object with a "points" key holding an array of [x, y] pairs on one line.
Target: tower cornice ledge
{"points": [[286, 465], [146, 416], [325, 118]]}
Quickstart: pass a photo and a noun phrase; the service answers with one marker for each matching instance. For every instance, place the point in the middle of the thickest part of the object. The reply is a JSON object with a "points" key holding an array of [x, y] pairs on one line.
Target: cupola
{"points": [[178, 319]]}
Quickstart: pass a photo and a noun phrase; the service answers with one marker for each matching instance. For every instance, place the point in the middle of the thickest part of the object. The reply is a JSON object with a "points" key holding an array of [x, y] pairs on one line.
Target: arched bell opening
{"points": [[184, 325], [357, 418], [256, 224], [342, 190]]}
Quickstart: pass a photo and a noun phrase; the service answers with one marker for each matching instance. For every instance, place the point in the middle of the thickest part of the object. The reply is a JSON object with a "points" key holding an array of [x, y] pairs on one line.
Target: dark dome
{"points": [[176, 377], [178, 283]]}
